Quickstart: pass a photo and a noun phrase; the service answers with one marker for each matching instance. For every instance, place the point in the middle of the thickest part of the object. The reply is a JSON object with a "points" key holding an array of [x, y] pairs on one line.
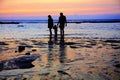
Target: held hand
{"points": [[66, 24], [57, 24]]}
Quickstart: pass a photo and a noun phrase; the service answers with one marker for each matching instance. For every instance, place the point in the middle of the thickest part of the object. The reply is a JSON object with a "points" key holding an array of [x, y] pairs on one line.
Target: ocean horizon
{"points": [[55, 20]]}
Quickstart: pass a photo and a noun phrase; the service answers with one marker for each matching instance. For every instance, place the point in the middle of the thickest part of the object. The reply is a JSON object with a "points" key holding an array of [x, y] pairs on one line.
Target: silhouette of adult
{"points": [[50, 24], [62, 23]]}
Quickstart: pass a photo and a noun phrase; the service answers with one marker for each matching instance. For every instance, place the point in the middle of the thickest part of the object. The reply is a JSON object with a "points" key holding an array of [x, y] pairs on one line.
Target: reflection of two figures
{"points": [[50, 53], [51, 45], [61, 51]]}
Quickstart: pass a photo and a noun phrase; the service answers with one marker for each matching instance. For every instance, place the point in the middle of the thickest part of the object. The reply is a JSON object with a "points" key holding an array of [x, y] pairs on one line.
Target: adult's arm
{"points": [[58, 21], [65, 21]]}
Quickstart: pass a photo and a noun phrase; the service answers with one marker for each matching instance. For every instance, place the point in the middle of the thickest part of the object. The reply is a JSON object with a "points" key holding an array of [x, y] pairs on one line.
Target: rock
{"points": [[116, 47], [21, 48], [116, 62], [117, 65], [15, 51], [114, 44], [3, 43], [28, 53], [73, 46], [1, 66], [20, 25], [27, 58], [90, 72], [63, 73], [87, 46], [93, 43], [117, 71], [19, 63], [45, 74], [34, 50], [28, 46], [70, 43], [99, 47], [113, 41], [24, 78], [3, 78]]}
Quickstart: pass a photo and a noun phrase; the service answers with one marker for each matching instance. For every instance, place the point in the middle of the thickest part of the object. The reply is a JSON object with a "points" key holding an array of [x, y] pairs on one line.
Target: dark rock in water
{"points": [[25, 65], [28, 46], [15, 51], [74, 46], [117, 62], [3, 78], [28, 53], [45, 74], [117, 65], [27, 58], [117, 71], [34, 50], [34, 41], [19, 63], [90, 72], [116, 47], [63, 73], [21, 48], [1, 66], [93, 43], [70, 43], [99, 47], [25, 79], [88, 46], [113, 41], [3, 43], [114, 44], [20, 25], [23, 43]]}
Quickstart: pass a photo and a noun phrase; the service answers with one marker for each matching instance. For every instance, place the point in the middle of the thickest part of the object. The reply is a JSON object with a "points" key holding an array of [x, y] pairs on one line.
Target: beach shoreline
{"points": [[73, 58]]}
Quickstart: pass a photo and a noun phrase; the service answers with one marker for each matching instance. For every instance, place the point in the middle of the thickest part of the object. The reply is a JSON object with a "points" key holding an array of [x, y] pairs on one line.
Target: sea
{"points": [[78, 30]]}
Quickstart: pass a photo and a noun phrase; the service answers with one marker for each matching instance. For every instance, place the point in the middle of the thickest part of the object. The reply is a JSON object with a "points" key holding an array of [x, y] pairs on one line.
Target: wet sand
{"points": [[68, 59]]}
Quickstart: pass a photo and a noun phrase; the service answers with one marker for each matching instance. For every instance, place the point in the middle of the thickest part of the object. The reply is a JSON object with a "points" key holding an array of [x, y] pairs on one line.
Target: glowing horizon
{"points": [[25, 8]]}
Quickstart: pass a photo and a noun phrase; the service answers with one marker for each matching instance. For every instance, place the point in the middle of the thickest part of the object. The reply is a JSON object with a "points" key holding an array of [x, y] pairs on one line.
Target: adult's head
{"points": [[49, 16], [61, 14]]}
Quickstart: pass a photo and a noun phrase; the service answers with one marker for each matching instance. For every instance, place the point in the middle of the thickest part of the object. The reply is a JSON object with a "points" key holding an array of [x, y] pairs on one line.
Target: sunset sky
{"points": [[35, 8]]}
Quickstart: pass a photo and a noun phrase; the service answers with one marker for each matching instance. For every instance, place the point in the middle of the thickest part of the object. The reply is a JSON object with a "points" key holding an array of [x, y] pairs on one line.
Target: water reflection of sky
{"points": [[56, 54], [37, 30]]}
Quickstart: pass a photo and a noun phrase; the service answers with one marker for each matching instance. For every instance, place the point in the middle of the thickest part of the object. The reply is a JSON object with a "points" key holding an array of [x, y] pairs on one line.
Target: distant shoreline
{"points": [[9, 22], [55, 21]]}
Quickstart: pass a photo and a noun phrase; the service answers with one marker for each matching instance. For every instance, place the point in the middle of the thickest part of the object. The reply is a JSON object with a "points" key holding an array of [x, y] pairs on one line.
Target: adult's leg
{"points": [[63, 31], [50, 31], [60, 31]]}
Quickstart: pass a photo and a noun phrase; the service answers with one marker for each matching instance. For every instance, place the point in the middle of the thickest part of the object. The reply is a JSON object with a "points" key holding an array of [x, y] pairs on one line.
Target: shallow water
{"points": [[38, 30], [72, 59]]}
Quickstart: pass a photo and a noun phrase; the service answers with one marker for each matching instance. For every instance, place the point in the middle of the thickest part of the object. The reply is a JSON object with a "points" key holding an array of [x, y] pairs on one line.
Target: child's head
{"points": [[55, 25]]}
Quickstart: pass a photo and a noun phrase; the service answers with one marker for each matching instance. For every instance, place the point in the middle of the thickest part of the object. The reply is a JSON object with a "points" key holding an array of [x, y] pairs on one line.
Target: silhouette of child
{"points": [[55, 29]]}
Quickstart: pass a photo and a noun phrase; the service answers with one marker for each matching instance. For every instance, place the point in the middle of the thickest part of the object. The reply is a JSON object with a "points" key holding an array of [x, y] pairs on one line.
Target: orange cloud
{"points": [[69, 7]]}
